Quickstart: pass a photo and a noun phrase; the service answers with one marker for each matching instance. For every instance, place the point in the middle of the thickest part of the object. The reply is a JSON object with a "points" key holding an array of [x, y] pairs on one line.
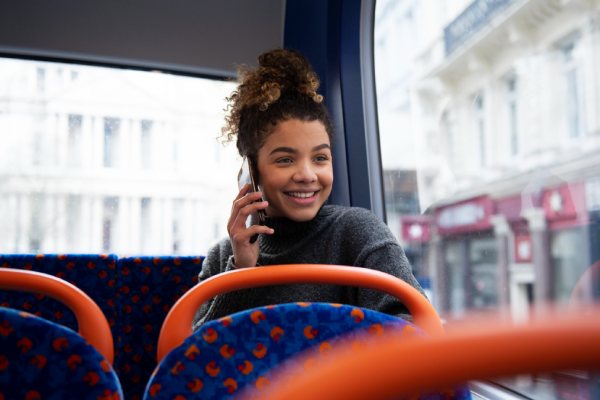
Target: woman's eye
{"points": [[284, 160], [321, 158]]}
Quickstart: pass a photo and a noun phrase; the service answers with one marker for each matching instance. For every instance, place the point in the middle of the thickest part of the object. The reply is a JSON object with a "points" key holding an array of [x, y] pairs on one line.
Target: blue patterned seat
{"points": [[243, 351], [95, 274], [40, 359], [246, 350], [134, 293], [148, 288], [226, 355]]}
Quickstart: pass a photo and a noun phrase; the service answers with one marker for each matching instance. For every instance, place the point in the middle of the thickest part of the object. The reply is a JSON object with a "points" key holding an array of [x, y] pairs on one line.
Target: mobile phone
{"points": [[246, 176]]}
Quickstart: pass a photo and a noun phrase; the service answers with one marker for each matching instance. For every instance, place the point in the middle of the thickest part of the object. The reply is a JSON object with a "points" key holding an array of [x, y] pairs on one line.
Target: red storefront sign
{"points": [[416, 228], [523, 248], [564, 206], [466, 216]]}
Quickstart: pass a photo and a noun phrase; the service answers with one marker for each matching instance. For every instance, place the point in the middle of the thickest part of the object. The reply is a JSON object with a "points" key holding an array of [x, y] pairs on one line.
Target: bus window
{"points": [[489, 129], [97, 160]]}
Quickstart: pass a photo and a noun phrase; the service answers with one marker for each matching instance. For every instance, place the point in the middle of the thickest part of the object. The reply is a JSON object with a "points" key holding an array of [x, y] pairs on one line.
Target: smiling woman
{"points": [[281, 125], [295, 169]]}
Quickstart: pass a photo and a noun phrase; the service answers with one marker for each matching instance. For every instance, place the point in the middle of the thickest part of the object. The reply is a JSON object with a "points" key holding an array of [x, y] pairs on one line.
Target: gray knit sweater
{"points": [[337, 235]]}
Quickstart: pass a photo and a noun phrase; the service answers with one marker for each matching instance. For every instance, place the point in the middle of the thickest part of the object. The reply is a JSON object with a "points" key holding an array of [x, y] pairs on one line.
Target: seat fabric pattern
{"points": [[226, 355], [244, 350], [148, 288], [40, 359], [95, 274]]}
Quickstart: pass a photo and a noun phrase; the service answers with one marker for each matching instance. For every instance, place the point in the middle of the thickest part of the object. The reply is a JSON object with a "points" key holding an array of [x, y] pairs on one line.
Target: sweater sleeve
{"points": [[378, 249], [218, 260]]}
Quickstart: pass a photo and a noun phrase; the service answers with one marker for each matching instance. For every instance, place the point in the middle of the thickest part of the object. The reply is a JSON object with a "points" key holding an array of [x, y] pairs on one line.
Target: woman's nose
{"points": [[305, 173]]}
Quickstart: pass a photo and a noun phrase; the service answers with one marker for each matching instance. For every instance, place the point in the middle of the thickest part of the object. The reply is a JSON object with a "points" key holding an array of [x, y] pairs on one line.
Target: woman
{"points": [[281, 126]]}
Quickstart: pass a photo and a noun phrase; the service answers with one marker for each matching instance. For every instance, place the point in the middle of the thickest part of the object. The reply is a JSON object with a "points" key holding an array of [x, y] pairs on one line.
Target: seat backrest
{"points": [[42, 359], [148, 288], [134, 293], [95, 274], [178, 323], [226, 355], [240, 350], [485, 349]]}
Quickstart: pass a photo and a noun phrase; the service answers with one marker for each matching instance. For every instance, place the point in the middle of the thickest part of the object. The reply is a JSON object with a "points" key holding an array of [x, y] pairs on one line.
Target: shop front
{"points": [[416, 235], [466, 270], [569, 237]]}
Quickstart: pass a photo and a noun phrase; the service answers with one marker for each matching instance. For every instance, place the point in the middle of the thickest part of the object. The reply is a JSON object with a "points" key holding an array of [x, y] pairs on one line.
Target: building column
{"points": [[542, 287], [502, 232]]}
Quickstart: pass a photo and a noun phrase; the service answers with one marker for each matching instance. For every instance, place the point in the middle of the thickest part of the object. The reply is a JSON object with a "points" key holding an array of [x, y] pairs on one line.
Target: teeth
{"points": [[302, 195]]}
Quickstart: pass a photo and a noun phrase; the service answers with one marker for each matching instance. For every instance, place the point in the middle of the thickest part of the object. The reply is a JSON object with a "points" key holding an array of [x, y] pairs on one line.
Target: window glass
{"points": [[111, 160], [489, 117]]}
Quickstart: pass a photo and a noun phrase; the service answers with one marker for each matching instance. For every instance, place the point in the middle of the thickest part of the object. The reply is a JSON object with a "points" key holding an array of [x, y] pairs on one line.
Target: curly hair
{"points": [[282, 87]]}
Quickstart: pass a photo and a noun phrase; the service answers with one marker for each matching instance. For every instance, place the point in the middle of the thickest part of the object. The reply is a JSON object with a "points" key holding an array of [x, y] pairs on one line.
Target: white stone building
{"points": [[102, 160]]}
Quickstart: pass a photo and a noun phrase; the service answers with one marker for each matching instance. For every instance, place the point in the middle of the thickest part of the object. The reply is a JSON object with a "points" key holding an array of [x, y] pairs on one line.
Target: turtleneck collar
{"points": [[289, 234]]}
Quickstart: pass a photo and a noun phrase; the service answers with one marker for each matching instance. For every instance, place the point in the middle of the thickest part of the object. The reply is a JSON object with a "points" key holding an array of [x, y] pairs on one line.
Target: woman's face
{"points": [[295, 169]]}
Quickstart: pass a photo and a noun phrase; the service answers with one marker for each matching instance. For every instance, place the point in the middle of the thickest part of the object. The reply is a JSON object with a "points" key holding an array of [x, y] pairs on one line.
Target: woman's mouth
{"points": [[301, 195], [302, 198]]}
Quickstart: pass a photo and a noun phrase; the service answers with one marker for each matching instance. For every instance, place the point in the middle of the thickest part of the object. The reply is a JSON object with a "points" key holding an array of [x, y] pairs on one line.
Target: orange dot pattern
{"points": [[239, 353], [40, 359], [134, 293]]}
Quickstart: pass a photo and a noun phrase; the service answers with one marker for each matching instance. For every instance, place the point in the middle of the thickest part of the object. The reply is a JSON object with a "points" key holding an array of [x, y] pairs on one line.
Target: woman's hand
{"points": [[244, 205]]}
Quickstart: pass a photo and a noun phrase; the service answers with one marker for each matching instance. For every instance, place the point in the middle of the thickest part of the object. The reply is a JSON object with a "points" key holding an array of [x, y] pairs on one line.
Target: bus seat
{"points": [[228, 354], [239, 349], [95, 274], [41, 359], [485, 349], [148, 288], [134, 293]]}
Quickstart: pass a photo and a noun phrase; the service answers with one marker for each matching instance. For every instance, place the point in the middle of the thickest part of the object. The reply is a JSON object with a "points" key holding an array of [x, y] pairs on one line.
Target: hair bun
{"points": [[283, 80], [281, 71]]}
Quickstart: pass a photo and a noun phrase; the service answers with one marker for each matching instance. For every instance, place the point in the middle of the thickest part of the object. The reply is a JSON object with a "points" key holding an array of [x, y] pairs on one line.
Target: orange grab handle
{"points": [[399, 366], [92, 323], [178, 323]]}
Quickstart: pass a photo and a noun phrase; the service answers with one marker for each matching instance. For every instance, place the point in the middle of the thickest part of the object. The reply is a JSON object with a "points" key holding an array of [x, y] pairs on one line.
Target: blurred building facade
{"points": [[100, 160], [495, 106]]}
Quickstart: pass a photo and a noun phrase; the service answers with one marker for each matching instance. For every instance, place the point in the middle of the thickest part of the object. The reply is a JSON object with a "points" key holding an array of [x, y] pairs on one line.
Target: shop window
{"points": [[483, 292], [570, 258]]}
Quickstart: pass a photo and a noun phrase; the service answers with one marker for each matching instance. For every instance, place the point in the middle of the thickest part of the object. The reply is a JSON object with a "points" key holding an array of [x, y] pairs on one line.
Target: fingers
{"points": [[243, 209], [243, 236], [244, 198], [245, 204]]}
